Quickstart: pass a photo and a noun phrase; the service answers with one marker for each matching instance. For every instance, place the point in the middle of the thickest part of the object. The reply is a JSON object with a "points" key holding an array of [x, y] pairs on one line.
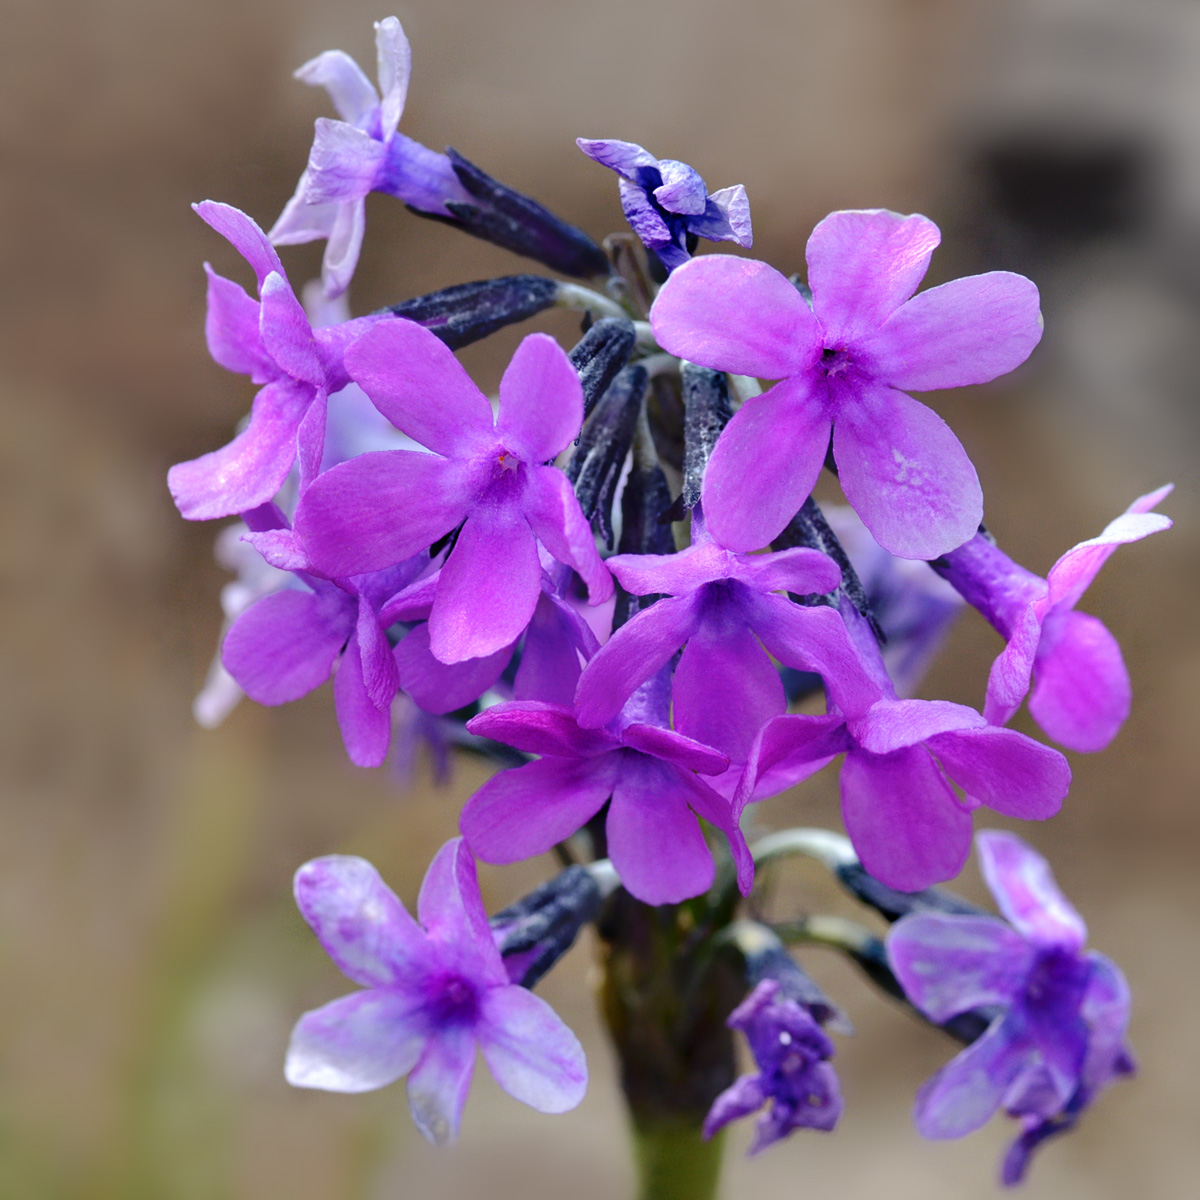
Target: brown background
{"points": [[152, 960]]}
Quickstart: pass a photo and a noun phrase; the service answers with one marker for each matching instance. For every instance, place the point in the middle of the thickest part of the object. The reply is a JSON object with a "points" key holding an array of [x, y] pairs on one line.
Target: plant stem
{"points": [[675, 1163]]}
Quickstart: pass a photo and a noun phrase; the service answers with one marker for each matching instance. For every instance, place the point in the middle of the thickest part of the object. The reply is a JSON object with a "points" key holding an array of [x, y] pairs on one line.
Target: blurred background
{"points": [[152, 960]]}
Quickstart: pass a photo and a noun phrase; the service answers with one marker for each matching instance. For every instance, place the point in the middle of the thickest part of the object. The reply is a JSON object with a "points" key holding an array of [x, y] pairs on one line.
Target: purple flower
{"points": [[361, 153], [654, 839], [842, 363], [794, 1077], [1058, 1036], [1081, 690], [486, 474], [297, 366], [721, 610], [434, 992], [666, 202]]}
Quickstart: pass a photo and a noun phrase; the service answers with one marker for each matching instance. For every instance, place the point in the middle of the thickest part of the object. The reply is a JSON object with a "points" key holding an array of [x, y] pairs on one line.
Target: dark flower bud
{"points": [[707, 411], [599, 355], [766, 957], [645, 526], [893, 904]]}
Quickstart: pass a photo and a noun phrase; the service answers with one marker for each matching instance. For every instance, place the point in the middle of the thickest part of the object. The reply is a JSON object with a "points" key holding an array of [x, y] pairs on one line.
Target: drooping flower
{"points": [[1059, 1035], [667, 203], [433, 993], [1081, 691], [298, 367], [794, 1075], [361, 153], [485, 473], [842, 363]]}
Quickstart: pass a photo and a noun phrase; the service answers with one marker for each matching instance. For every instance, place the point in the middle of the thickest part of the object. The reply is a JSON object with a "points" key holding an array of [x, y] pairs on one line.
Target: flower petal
{"points": [[440, 688], [366, 728], [671, 574], [541, 400], [394, 64], [744, 1096], [302, 222], [231, 329], [243, 234], [352, 93], [438, 1084], [765, 463], [726, 217], [676, 748], [905, 473], [550, 658], [358, 1043], [286, 333], [552, 510], [343, 247], [1024, 888], [534, 1057], [537, 727], [418, 384], [626, 158], [967, 331], [343, 164], [735, 314], [451, 910], [801, 571], [893, 724], [789, 749], [864, 264], [1008, 680], [949, 964]]}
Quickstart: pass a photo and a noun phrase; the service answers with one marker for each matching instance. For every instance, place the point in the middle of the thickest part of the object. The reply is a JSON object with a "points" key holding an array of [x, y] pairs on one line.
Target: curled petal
{"points": [[787, 750], [438, 1084], [541, 400], [352, 93], [743, 1097], [244, 235], [536, 727], [727, 217], [676, 748], [366, 727], [286, 333], [394, 62]]}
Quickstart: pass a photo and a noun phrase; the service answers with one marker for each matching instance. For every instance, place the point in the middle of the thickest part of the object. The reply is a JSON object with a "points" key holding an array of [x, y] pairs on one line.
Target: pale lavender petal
{"points": [[418, 384], [438, 1084], [676, 748], [949, 964], [231, 329], [734, 206], [654, 839], [906, 824], [1025, 890], [1105, 1009], [893, 724], [286, 333], [1008, 680], [358, 1043], [541, 400], [285, 644], [736, 314], [1005, 770], [352, 93], [251, 468], [552, 510], [797, 570], [765, 463], [526, 810], [534, 1057], [302, 222], [379, 509], [787, 750], [436, 687], [905, 473], [970, 1087], [550, 657], [682, 189], [394, 64], [343, 163], [361, 924], [646, 219], [725, 689], [626, 158], [970, 330], [281, 548], [243, 235], [342, 250], [488, 588], [862, 265], [632, 655], [672, 574], [1081, 691], [366, 729]]}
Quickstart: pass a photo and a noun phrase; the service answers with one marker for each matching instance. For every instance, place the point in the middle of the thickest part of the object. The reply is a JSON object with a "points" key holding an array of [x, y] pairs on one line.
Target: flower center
{"points": [[834, 361], [456, 1001]]}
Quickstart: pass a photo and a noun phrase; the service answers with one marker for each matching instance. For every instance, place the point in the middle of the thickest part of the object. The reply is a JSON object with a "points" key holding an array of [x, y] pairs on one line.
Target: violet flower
{"points": [[485, 474], [794, 1077], [654, 839], [1058, 1037], [434, 992], [842, 362], [297, 366], [361, 153], [667, 203], [1081, 691]]}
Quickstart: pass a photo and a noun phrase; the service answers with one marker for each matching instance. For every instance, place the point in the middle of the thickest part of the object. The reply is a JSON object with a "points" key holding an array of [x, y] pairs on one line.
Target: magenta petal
{"points": [[438, 1084], [862, 265], [632, 655], [438, 688], [949, 964], [1025, 890], [418, 384], [1005, 770], [905, 473], [721, 813], [970, 1087], [765, 463], [251, 468], [1081, 691], [893, 724], [672, 574], [358, 1043], [360, 922], [1008, 680], [526, 810], [243, 235], [552, 510], [789, 749], [654, 839], [534, 1057], [906, 824], [451, 910], [537, 727], [231, 329], [310, 439], [366, 729], [967, 331], [541, 400], [735, 314], [379, 509], [488, 588], [286, 333], [676, 748], [803, 572], [375, 651], [550, 666]]}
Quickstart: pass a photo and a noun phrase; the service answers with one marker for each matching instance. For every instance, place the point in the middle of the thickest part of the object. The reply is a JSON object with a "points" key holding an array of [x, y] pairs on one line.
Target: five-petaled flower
{"points": [[433, 993]]}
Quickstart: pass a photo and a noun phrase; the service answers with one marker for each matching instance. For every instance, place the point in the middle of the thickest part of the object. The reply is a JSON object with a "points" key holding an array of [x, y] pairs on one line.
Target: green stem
{"points": [[675, 1163]]}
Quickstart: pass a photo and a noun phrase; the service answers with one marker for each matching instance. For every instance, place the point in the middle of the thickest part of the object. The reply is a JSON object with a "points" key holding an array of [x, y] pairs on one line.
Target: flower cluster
{"points": [[444, 556]]}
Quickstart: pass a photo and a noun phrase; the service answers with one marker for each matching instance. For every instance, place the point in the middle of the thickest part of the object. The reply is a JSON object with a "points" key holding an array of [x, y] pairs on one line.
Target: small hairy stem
{"points": [[582, 299], [827, 847]]}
